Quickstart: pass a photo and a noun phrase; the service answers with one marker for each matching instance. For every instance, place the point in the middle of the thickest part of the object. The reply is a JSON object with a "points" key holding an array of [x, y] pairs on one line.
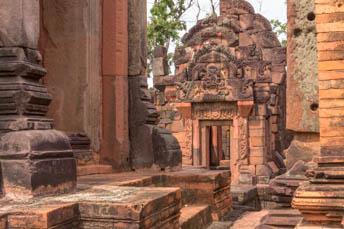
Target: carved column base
{"points": [[36, 163], [321, 200], [320, 203]]}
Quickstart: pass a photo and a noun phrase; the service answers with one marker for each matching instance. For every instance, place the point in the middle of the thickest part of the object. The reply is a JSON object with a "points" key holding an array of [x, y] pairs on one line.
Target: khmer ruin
{"points": [[233, 128]]}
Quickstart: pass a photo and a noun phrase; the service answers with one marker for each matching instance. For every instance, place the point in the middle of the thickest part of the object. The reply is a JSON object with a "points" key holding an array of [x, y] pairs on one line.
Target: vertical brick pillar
{"points": [[321, 201]]}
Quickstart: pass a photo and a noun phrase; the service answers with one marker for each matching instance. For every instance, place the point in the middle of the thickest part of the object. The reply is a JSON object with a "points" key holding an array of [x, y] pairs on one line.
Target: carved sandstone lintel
{"points": [[214, 111]]}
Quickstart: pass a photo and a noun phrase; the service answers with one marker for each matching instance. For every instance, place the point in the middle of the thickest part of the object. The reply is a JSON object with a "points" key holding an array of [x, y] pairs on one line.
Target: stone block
{"points": [[160, 66], [274, 119], [257, 160], [177, 126], [263, 179], [276, 55], [31, 178], [263, 170], [243, 194], [246, 21], [195, 217], [259, 151], [274, 128], [160, 51], [241, 7], [257, 124], [257, 133], [36, 163], [261, 110], [46, 216], [289, 218], [245, 39], [278, 77], [261, 23], [85, 170], [103, 207], [247, 179], [266, 39], [257, 141]]}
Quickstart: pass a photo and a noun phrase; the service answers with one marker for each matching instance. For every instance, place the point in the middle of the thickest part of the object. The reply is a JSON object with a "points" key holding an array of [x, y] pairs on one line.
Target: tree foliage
{"points": [[280, 29], [165, 23]]}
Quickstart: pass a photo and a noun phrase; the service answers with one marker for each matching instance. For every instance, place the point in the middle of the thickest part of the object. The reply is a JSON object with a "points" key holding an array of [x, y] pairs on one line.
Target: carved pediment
{"points": [[223, 28], [214, 75]]}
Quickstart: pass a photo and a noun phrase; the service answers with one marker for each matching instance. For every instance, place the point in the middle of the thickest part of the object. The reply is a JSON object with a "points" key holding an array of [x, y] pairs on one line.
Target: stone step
{"points": [[103, 206], [195, 217], [287, 218], [94, 169]]}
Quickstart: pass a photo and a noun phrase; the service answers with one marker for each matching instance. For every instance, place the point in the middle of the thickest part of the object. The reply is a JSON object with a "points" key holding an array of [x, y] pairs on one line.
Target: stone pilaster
{"points": [[321, 201], [35, 159]]}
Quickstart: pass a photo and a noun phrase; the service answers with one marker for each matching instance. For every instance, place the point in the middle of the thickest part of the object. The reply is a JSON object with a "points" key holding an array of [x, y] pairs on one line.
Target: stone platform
{"points": [[126, 200], [198, 186], [105, 206], [281, 218]]}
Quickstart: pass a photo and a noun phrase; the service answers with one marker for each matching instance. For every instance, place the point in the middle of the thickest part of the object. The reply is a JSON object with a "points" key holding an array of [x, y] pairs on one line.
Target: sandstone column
{"points": [[35, 159], [302, 83], [115, 122], [322, 199]]}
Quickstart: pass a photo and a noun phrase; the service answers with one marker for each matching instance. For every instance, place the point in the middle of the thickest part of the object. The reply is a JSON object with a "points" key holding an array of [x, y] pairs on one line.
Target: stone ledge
{"points": [[198, 186], [93, 169], [99, 207]]}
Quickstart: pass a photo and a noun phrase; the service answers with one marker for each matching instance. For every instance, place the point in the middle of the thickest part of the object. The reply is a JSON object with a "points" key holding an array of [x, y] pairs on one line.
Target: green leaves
{"points": [[165, 24], [280, 29], [165, 21]]}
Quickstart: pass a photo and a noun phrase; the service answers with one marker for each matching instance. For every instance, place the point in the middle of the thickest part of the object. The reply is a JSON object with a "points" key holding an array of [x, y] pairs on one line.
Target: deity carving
{"points": [[264, 72], [243, 141]]}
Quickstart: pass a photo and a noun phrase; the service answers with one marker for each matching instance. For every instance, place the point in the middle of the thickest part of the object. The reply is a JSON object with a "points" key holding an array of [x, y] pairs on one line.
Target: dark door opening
{"points": [[215, 144]]}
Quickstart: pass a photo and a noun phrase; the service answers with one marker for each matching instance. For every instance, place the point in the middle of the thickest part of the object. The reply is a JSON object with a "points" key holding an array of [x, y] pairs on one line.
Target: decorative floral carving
{"points": [[211, 111]]}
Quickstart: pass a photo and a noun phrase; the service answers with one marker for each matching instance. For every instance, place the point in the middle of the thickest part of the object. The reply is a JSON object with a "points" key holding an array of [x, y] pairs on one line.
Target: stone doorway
{"points": [[215, 142]]}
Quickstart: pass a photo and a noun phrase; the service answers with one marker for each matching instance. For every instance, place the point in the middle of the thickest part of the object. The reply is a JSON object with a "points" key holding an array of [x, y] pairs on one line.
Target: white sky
{"points": [[271, 9]]}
